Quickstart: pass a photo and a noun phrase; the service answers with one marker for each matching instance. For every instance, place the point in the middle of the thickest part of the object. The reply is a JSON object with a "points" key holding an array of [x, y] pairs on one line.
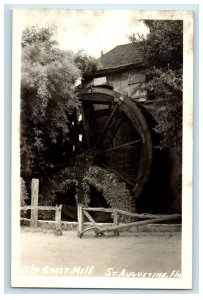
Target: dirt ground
{"points": [[48, 254]]}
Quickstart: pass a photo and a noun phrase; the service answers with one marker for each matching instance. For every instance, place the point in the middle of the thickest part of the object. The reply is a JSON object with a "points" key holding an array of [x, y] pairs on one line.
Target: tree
{"points": [[49, 106], [47, 98], [163, 54], [86, 63]]}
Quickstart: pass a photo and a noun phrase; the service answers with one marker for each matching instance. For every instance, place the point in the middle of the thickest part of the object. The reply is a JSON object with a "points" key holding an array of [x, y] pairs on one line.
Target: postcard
{"points": [[102, 138]]}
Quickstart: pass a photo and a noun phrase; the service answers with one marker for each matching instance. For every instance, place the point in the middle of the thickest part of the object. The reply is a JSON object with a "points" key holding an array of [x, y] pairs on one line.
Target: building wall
{"points": [[130, 83]]}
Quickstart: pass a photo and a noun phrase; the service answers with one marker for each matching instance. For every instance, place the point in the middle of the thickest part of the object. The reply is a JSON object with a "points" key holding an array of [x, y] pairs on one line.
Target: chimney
{"points": [[102, 52]]}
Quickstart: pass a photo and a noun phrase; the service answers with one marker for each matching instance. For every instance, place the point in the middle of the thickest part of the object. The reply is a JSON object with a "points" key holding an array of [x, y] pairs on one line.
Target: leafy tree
{"points": [[47, 99], [163, 55], [87, 64], [49, 106]]}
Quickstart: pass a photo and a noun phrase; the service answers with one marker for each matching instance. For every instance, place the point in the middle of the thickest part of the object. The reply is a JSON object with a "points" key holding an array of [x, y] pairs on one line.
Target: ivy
{"points": [[23, 195], [23, 192], [114, 190]]}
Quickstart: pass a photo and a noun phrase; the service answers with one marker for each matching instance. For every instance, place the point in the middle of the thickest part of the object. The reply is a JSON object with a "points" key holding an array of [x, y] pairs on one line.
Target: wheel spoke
{"points": [[116, 128], [123, 176], [106, 125], [121, 147]]}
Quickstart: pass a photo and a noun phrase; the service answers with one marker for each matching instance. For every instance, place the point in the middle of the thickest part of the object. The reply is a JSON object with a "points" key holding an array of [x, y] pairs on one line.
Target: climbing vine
{"points": [[23, 192], [23, 195], [114, 190]]}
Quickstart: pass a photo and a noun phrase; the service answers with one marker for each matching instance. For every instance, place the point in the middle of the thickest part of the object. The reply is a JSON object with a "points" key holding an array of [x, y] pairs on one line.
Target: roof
{"points": [[121, 55]]}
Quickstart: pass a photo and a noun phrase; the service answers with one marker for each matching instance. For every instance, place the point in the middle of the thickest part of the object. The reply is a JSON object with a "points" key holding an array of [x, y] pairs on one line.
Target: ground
{"points": [[139, 253]]}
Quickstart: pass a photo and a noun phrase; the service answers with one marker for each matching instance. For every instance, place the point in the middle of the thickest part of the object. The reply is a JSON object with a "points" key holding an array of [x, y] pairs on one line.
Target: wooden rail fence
{"points": [[34, 207], [34, 212], [143, 219]]}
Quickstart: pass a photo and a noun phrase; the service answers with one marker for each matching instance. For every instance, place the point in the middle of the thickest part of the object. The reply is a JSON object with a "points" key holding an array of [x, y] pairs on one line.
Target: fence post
{"points": [[34, 202], [80, 220], [59, 217], [115, 222], [58, 230], [56, 216]]}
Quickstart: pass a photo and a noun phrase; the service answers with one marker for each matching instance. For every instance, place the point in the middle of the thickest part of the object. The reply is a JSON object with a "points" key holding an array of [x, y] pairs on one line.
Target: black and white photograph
{"points": [[102, 125]]}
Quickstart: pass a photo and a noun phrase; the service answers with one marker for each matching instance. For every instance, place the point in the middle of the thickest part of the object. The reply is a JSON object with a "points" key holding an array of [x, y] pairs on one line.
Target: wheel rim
{"points": [[117, 134]]}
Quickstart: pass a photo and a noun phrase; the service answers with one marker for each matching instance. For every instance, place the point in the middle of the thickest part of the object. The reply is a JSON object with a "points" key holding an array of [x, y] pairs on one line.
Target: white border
{"points": [[184, 294], [186, 280]]}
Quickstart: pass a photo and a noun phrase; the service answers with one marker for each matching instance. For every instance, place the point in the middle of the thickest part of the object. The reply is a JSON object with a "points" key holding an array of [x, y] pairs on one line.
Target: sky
{"points": [[91, 30]]}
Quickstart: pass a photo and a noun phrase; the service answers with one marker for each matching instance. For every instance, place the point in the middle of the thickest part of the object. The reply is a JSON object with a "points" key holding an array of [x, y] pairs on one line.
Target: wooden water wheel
{"points": [[117, 135]]}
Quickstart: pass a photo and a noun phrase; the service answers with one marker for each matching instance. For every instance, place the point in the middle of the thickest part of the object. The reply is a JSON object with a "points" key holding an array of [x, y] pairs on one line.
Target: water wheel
{"points": [[117, 135]]}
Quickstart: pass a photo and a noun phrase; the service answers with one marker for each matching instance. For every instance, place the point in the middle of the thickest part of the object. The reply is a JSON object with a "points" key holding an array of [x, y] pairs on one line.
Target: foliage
{"points": [[49, 106], [163, 55], [86, 63], [168, 85], [23, 192], [114, 190], [48, 102], [23, 195], [35, 34], [60, 182]]}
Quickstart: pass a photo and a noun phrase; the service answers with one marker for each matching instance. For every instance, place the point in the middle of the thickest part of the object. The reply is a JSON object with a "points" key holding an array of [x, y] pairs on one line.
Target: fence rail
{"points": [[57, 210], [27, 207], [143, 219], [35, 208]]}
